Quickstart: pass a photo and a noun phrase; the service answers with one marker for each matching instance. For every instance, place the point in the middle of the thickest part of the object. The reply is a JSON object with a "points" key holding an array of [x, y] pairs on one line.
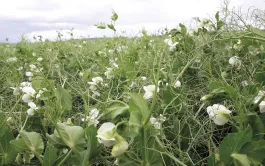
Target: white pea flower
{"points": [[32, 67], [12, 59], [109, 73], [40, 59], [25, 84], [157, 122], [96, 81], [244, 83], [262, 104], [120, 147], [33, 54], [171, 45], [143, 78], [149, 91], [218, 113], [29, 94], [32, 109], [93, 117], [111, 51], [81, 74], [20, 68], [65, 150], [177, 84], [39, 94], [115, 65], [133, 84], [29, 74], [16, 91], [235, 61], [106, 134], [116, 162]]}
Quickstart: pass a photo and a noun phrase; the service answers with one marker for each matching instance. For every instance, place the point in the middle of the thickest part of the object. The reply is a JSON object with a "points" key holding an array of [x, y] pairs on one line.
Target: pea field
{"points": [[186, 97]]}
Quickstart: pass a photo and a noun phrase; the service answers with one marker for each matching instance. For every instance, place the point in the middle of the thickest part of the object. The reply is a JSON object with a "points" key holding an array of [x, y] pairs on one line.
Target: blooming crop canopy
{"points": [[219, 114]]}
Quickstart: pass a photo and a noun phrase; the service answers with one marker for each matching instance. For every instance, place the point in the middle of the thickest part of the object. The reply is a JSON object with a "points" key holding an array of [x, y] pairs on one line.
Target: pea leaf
{"points": [[115, 109], [3, 126], [33, 141], [50, 155], [114, 16], [254, 150], [233, 143], [64, 99], [72, 136], [138, 104], [241, 160], [8, 154]]}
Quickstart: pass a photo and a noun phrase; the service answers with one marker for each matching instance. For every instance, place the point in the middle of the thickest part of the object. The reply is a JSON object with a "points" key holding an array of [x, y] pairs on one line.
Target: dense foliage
{"points": [[183, 98]]}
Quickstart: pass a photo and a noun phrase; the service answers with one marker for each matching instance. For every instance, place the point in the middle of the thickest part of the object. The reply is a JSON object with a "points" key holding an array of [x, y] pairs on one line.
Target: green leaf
{"points": [[183, 29], [115, 109], [3, 126], [138, 104], [110, 26], [260, 77], [255, 122], [233, 143], [55, 141], [240, 160], [135, 119], [114, 16], [50, 155], [72, 136], [64, 99], [92, 142], [220, 24], [19, 145], [217, 16], [211, 160], [33, 141], [8, 154], [254, 150], [101, 25]]}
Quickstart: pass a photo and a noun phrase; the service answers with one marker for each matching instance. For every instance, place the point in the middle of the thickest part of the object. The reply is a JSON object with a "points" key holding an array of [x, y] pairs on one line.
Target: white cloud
{"points": [[34, 17]]}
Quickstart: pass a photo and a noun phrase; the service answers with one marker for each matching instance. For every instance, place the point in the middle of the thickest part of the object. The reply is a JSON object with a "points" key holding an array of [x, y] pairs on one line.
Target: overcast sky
{"points": [[45, 17]]}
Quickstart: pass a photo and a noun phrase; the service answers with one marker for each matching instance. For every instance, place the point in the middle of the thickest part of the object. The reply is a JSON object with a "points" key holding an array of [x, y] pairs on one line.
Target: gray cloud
{"points": [[33, 17]]}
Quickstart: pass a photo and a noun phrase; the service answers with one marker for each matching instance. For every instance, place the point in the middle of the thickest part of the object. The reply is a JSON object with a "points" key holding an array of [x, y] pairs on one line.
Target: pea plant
{"points": [[190, 96]]}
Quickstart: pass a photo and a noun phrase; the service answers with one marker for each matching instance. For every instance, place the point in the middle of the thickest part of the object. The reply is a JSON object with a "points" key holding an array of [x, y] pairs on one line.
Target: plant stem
{"points": [[38, 156], [66, 157], [22, 128]]}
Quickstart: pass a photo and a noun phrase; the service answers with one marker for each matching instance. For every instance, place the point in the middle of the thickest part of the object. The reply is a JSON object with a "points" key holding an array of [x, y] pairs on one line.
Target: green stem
{"points": [[66, 157], [144, 149], [38, 156], [22, 128]]}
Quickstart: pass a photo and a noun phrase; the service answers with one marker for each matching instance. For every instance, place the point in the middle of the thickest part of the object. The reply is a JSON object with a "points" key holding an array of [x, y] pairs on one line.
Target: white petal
{"points": [[220, 119], [29, 74], [32, 105], [262, 107], [108, 142], [27, 98], [177, 84], [28, 90], [105, 127], [119, 148], [30, 112], [148, 95]]}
